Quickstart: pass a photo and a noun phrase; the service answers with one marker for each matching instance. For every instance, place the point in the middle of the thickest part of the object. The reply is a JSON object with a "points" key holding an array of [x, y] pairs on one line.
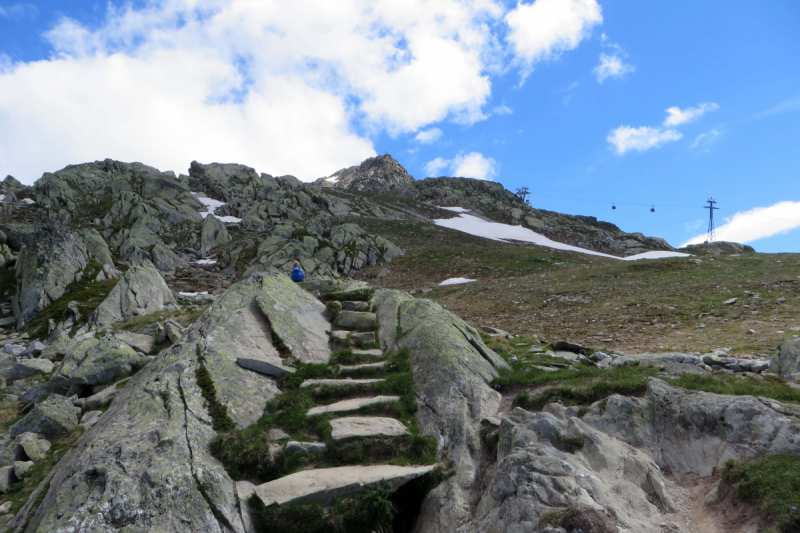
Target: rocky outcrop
{"points": [[141, 291], [547, 463], [695, 432], [718, 248], [786, 361], [52, 418], [97, 247], [53, 258], [452, 368], [376, 175], [145, 465]]}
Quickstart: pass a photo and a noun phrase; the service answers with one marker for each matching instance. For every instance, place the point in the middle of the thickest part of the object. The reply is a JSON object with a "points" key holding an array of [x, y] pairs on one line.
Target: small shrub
{"points": [[569, 444]]}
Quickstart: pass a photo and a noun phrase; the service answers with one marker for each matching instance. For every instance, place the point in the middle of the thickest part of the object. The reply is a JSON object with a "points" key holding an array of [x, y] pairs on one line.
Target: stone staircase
{"points": [[323, 485]]}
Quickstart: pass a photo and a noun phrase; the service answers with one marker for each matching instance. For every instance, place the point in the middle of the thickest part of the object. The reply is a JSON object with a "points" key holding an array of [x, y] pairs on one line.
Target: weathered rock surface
{"points": [[338, 382], [105, 362], [141, 291], [452, 368], [294, 447], [696, 432], [326, 484], [49, 261], [545, 463], [297, 318], [786, 361], [156, 432]]}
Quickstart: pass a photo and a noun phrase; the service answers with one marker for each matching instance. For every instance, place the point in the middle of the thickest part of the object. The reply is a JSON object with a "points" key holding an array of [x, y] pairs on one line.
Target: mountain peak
{"points": [[375, 175]]}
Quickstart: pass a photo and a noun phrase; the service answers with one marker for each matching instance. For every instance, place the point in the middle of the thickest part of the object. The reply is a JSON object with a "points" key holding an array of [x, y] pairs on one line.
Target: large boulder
{"points": [[547, 464], [452, 370], [53, 258], [212, 234], [696, 432], [52, 418], [141, 291], [786, 361], [26, 368], [97, 247], [105, 362]]}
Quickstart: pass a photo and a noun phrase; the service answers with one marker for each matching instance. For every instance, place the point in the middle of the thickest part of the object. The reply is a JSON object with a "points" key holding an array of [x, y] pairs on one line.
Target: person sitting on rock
{"points": [[297, 273]]}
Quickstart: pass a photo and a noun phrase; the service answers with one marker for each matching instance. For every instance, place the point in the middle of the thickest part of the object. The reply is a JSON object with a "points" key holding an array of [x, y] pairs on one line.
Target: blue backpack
{"points": [[297, 274]]}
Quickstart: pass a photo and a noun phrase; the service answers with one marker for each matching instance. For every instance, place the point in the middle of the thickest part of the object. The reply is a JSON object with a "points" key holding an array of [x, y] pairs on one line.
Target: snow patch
{"points": [[454, 209], [211, 209], [205, 262], [193, 294], [655, 255], [2, 197], [504, 232], [456, 281]]}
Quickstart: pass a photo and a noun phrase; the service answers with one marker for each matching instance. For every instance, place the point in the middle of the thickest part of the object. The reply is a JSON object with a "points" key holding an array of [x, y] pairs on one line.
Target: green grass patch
{"points": [[220, 419], [724, 384], [246, 452], [372, 511], [182, 317], [773, 483], [9, 414], [19, 492]]}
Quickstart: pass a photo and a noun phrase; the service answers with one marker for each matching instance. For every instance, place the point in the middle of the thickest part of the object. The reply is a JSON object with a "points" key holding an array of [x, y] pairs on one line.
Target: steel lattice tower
{"points": [[711, 209]]}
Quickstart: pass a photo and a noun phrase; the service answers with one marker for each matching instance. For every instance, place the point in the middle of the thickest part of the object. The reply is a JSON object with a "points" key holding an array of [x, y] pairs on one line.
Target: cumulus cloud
{"points": [[611, 66], [464, 165], [288, 87], [546, 28], [626, 138], [428, 136], [757, 223], [258, 83], [677, 116]]}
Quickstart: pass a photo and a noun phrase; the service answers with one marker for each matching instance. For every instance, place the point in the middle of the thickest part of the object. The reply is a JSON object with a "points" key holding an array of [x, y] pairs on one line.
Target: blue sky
{"points": [[499, 90]]}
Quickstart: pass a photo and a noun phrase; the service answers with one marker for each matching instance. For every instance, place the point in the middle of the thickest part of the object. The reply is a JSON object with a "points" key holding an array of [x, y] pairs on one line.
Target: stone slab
{"points": [[366, 426], [343, 369], [375, 352], [326, 484], [353, 404], [264, 367], [338, 382]]}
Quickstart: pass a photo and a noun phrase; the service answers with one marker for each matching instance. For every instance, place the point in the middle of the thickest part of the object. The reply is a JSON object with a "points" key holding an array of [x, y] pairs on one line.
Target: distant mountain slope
{"points": [[376, 175]]}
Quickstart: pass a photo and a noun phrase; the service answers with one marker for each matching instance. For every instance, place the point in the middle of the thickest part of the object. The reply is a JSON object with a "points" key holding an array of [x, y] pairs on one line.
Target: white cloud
{"points": [[546, 28], [626, 138], [611, 66], [706, 139], [787, 106], [502, 110], [471, 165], [677, 116], [757, 223], [694, 225], [428, 136], [16, 11], [434, 167], [260, 83]]}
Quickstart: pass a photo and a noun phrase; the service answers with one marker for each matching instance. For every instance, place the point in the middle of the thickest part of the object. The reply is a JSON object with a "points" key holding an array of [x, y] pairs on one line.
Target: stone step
{"points": [[355, 320], [343, 369], [349, 382], [355, 306], [324, 485], [375, 352], [352, 404], [366, 426]]}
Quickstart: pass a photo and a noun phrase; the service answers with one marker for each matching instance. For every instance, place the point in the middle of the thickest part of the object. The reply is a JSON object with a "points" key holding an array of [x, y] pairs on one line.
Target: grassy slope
{"points": [[663, 305]]}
